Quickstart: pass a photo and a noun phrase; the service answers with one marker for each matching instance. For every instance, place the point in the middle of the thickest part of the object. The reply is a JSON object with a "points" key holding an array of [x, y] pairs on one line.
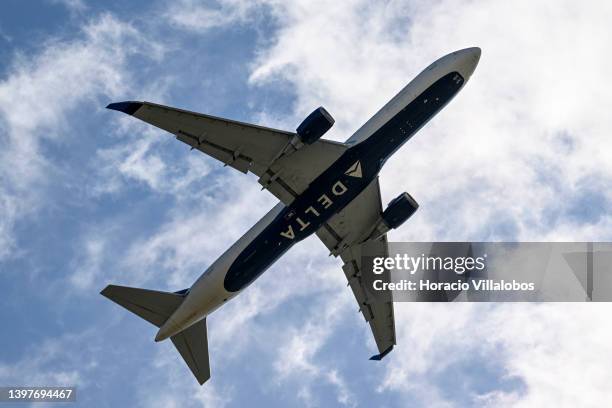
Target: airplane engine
{"points": [[399, 210], [314, 126]]}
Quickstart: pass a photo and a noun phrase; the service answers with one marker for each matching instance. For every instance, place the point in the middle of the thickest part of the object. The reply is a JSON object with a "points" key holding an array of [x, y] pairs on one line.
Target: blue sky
{"points": [[89, 197]]}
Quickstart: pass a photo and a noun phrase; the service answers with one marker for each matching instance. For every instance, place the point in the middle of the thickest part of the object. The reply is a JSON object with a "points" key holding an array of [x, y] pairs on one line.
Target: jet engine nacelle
{"points": [[314, 126], [399, 210]]}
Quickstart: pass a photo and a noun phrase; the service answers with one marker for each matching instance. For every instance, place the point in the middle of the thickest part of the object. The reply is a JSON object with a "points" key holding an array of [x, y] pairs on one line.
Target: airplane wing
{"points": [[342, 235], [269, 153]]}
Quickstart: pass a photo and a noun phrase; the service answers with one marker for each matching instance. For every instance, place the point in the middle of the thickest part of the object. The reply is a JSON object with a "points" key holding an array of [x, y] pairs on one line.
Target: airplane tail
{"points": [[156, 307]]}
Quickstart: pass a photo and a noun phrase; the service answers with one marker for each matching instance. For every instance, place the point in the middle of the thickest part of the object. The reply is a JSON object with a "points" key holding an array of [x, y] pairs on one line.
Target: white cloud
{"points": [[128, 161], [297, 358], [37, 98], [57, 361], [167, 384], [74, 6], [89, 265], [556, 350], [196, 16], [140, 157]]}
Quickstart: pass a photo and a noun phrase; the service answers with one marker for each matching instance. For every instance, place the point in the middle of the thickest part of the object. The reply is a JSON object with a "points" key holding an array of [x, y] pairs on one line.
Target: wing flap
{"points": [[379, 315], [266, 152], [229, 157], [351, 270], [343, 235], [228, 139]]}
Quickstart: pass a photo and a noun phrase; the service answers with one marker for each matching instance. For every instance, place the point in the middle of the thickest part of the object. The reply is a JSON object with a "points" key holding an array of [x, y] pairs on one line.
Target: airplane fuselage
{"points": [[328, 194]]}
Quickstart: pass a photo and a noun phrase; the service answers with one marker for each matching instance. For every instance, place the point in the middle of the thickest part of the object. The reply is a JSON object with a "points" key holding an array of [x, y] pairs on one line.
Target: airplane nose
{"points": [[475, 55], [467, 60], [475, 51]]}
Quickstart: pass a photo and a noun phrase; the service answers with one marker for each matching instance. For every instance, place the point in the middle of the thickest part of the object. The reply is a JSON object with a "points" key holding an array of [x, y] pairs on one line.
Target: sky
{"points": [[90, 197]]}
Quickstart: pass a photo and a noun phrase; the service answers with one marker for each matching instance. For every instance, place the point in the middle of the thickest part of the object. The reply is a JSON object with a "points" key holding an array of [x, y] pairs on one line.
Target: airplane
{"points": [[324, 187]]}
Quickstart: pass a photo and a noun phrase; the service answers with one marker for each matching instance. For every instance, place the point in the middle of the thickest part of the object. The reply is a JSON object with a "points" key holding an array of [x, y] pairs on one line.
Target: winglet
{"points": [[128, 107], [380, 356]]}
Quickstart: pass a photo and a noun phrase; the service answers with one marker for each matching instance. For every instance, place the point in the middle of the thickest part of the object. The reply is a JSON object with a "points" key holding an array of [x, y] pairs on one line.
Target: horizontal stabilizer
{"points": [[152, 305], [192, 343]]}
